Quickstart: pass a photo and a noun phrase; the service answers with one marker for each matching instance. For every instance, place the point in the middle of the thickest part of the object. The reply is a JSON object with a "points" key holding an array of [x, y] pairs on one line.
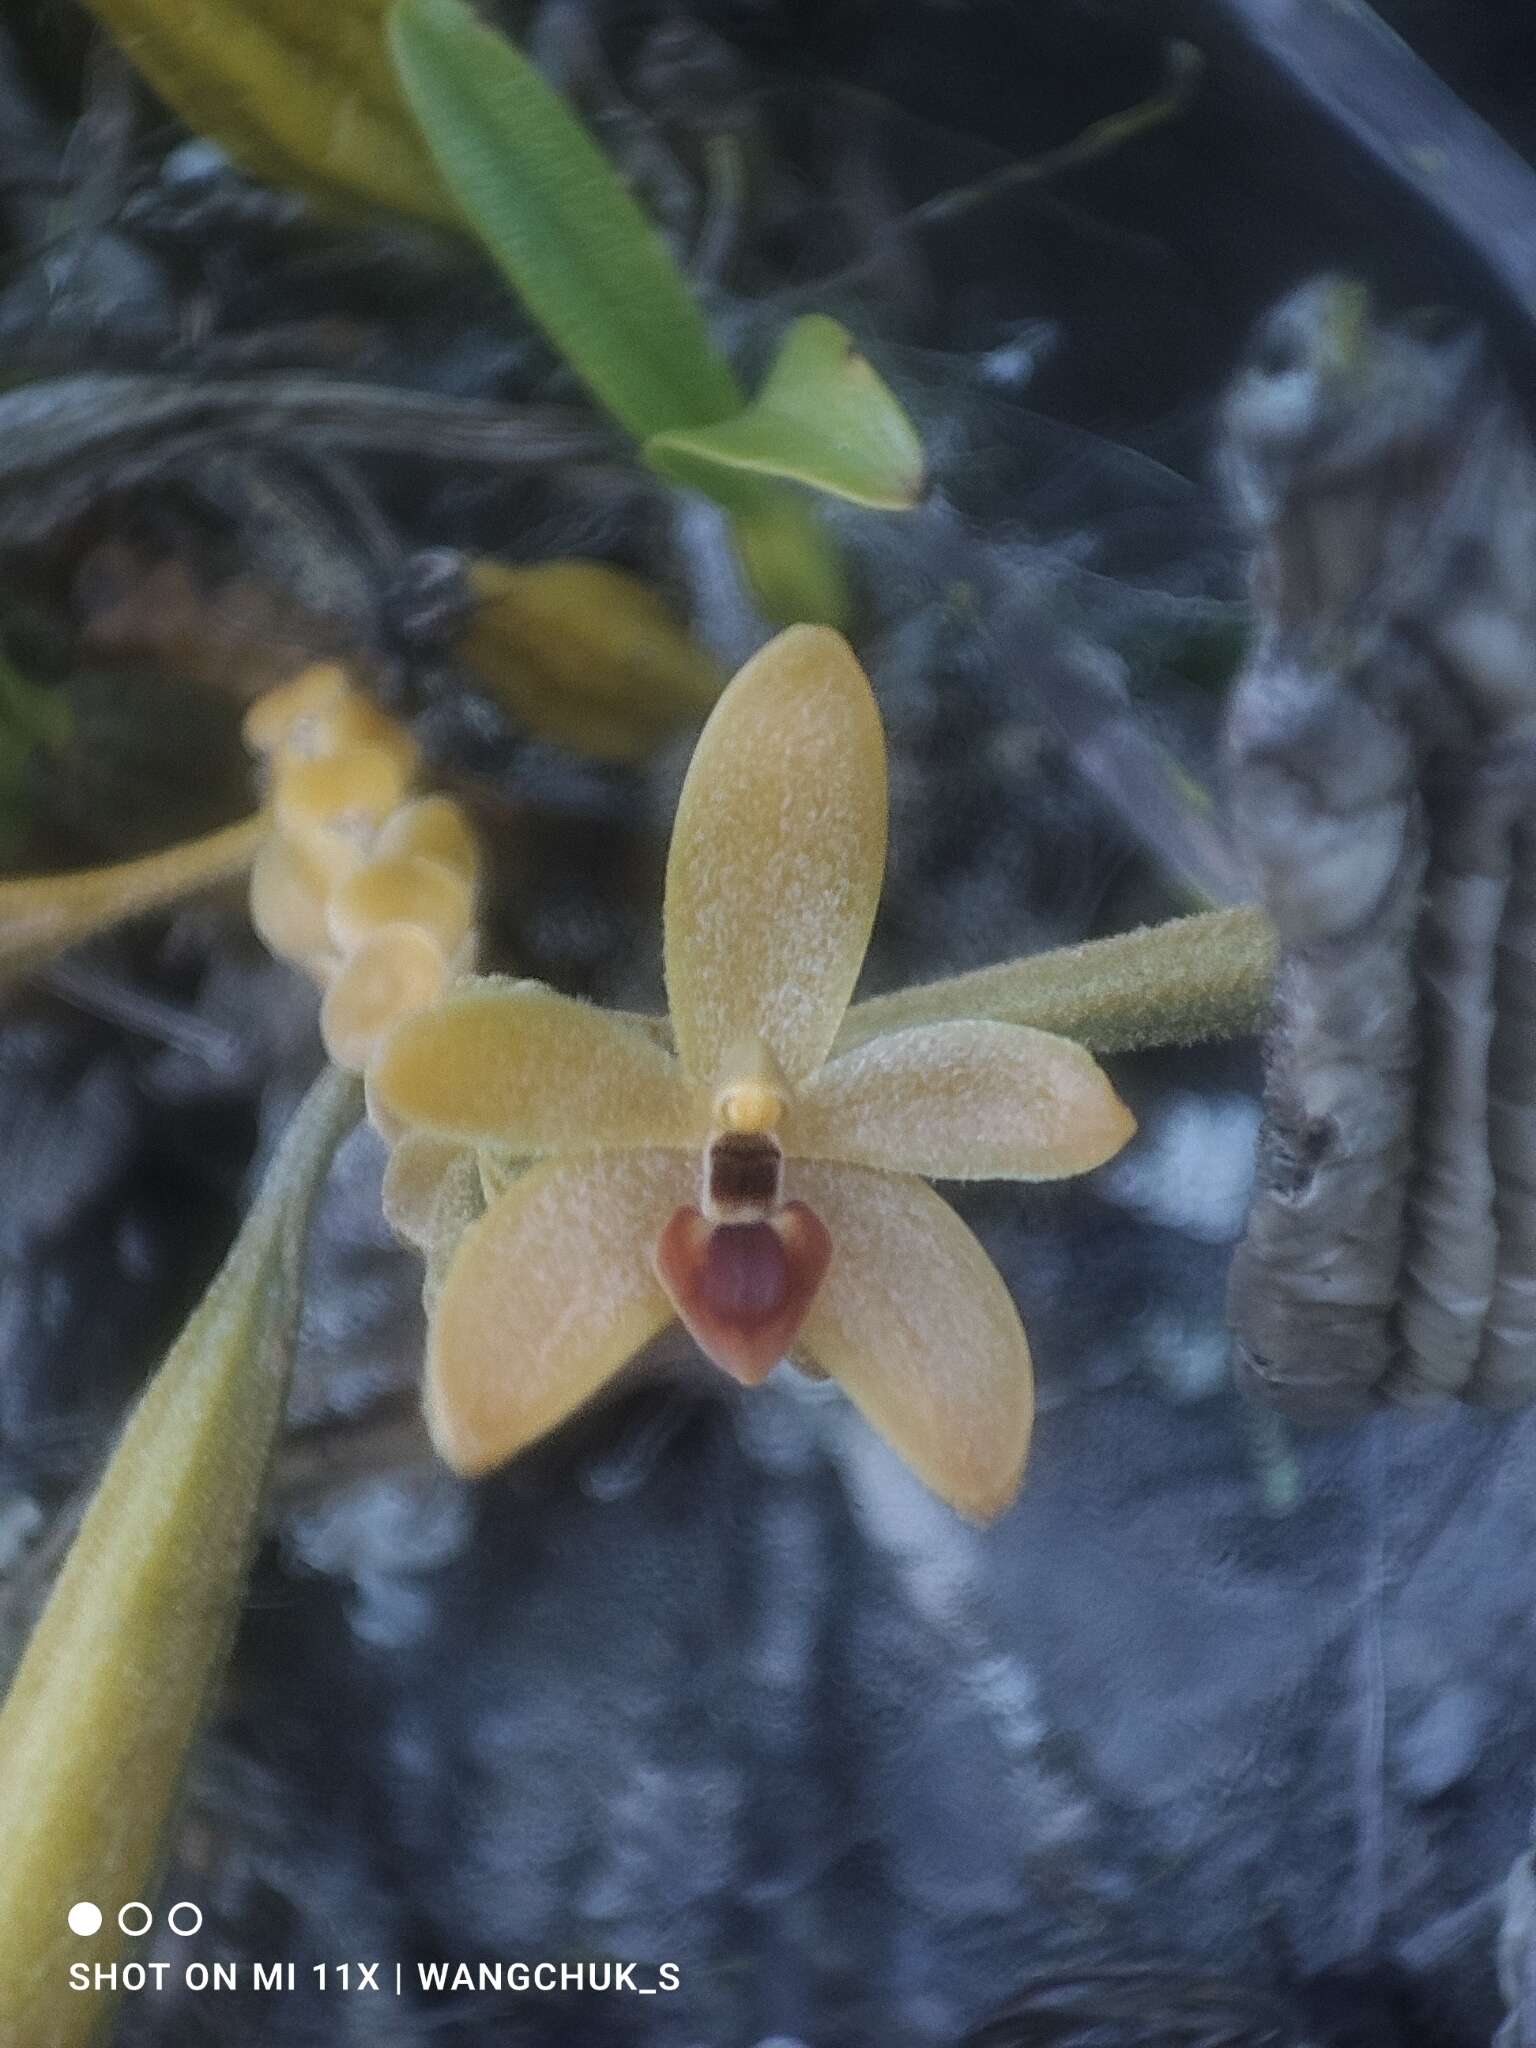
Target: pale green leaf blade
{"points": [[96, 1727], [824, 417], [545, 202]]}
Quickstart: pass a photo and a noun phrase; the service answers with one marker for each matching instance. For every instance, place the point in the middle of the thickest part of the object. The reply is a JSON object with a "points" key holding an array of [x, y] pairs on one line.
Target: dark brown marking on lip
{"points": [[742, 1290]]}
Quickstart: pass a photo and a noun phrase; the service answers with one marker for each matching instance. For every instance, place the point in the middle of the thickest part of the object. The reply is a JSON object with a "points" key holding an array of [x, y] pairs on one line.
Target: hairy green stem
{"points": [[1168, 984]]}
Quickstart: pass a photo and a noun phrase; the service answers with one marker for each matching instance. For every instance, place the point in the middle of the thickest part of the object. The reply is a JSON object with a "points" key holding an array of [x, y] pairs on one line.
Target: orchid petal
{"points": [[417, 1168], [777, 857], [962, 1101], [547, 1296], [459, 1204], [915, 1324], [406, 888], [397, 973], [513, 1064]]}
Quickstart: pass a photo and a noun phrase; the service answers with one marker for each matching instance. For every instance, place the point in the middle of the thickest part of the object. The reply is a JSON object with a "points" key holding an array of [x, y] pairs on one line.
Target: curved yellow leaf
{"points": [[117, 1677], [300, 94]]}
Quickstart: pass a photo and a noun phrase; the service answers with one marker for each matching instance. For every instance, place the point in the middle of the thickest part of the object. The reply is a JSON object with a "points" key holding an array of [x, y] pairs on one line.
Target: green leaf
{"points": [[542, 197], [96, 1728], [793, 568], [824, 417]]}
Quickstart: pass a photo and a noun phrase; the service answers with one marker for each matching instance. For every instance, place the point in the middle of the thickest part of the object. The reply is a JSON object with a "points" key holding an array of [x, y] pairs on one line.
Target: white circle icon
{"points": [[85, 1918], [135, 1906], [184, 1906]]}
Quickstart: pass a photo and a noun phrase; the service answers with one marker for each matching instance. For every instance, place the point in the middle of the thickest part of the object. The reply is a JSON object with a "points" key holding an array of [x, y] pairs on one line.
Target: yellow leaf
{"points": [[42, 915], [587, 656], [96, 1727], [299, 93]]}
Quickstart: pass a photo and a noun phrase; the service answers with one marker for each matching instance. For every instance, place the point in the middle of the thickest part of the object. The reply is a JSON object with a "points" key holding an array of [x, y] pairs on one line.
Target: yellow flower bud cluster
{"points": [[367, 888]]}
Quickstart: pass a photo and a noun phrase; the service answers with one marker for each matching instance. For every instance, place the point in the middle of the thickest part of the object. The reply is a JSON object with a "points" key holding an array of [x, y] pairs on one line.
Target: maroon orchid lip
{"points": [[742, 1290]]}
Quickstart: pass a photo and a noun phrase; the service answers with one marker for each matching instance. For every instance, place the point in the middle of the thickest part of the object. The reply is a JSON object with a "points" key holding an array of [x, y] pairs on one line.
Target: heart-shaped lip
{"points": [[742, 1290]]}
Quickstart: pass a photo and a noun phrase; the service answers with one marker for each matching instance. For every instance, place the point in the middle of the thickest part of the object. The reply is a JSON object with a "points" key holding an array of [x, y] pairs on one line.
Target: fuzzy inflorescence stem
{"points": [[1169, 984]]}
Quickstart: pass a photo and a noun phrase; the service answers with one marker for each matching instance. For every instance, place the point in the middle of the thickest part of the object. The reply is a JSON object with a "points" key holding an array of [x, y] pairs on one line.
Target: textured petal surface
{"points": [[511, 1063], [407, 888], [741, 1290], [914, 1323], [963, 1101], [394, 974], [547, 1296], [418, 1166], [435, 827], [777, 858]]}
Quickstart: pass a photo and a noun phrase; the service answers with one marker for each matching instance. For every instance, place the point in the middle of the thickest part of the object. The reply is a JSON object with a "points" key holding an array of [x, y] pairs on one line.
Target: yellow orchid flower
{"points": [[750, 1183]]}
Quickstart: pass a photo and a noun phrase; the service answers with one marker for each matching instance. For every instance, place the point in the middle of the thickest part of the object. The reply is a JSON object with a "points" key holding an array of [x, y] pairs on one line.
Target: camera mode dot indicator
{"points": [[85, 1918]]}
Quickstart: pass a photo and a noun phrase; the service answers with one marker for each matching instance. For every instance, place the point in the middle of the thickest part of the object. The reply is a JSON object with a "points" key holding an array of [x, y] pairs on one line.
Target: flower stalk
{"points": [[1178, 983], [41, 915]]}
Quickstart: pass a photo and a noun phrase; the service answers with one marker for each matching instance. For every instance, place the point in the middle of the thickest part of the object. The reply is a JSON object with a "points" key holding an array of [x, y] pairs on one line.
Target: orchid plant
{"points": [[747, 1177], [753, 1165]]}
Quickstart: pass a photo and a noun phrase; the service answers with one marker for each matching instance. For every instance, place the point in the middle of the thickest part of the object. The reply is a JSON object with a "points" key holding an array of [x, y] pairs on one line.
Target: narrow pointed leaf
{"points": [[42, 915], [824, 417], [299, 94], [545, 202], [96, 1727]]}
